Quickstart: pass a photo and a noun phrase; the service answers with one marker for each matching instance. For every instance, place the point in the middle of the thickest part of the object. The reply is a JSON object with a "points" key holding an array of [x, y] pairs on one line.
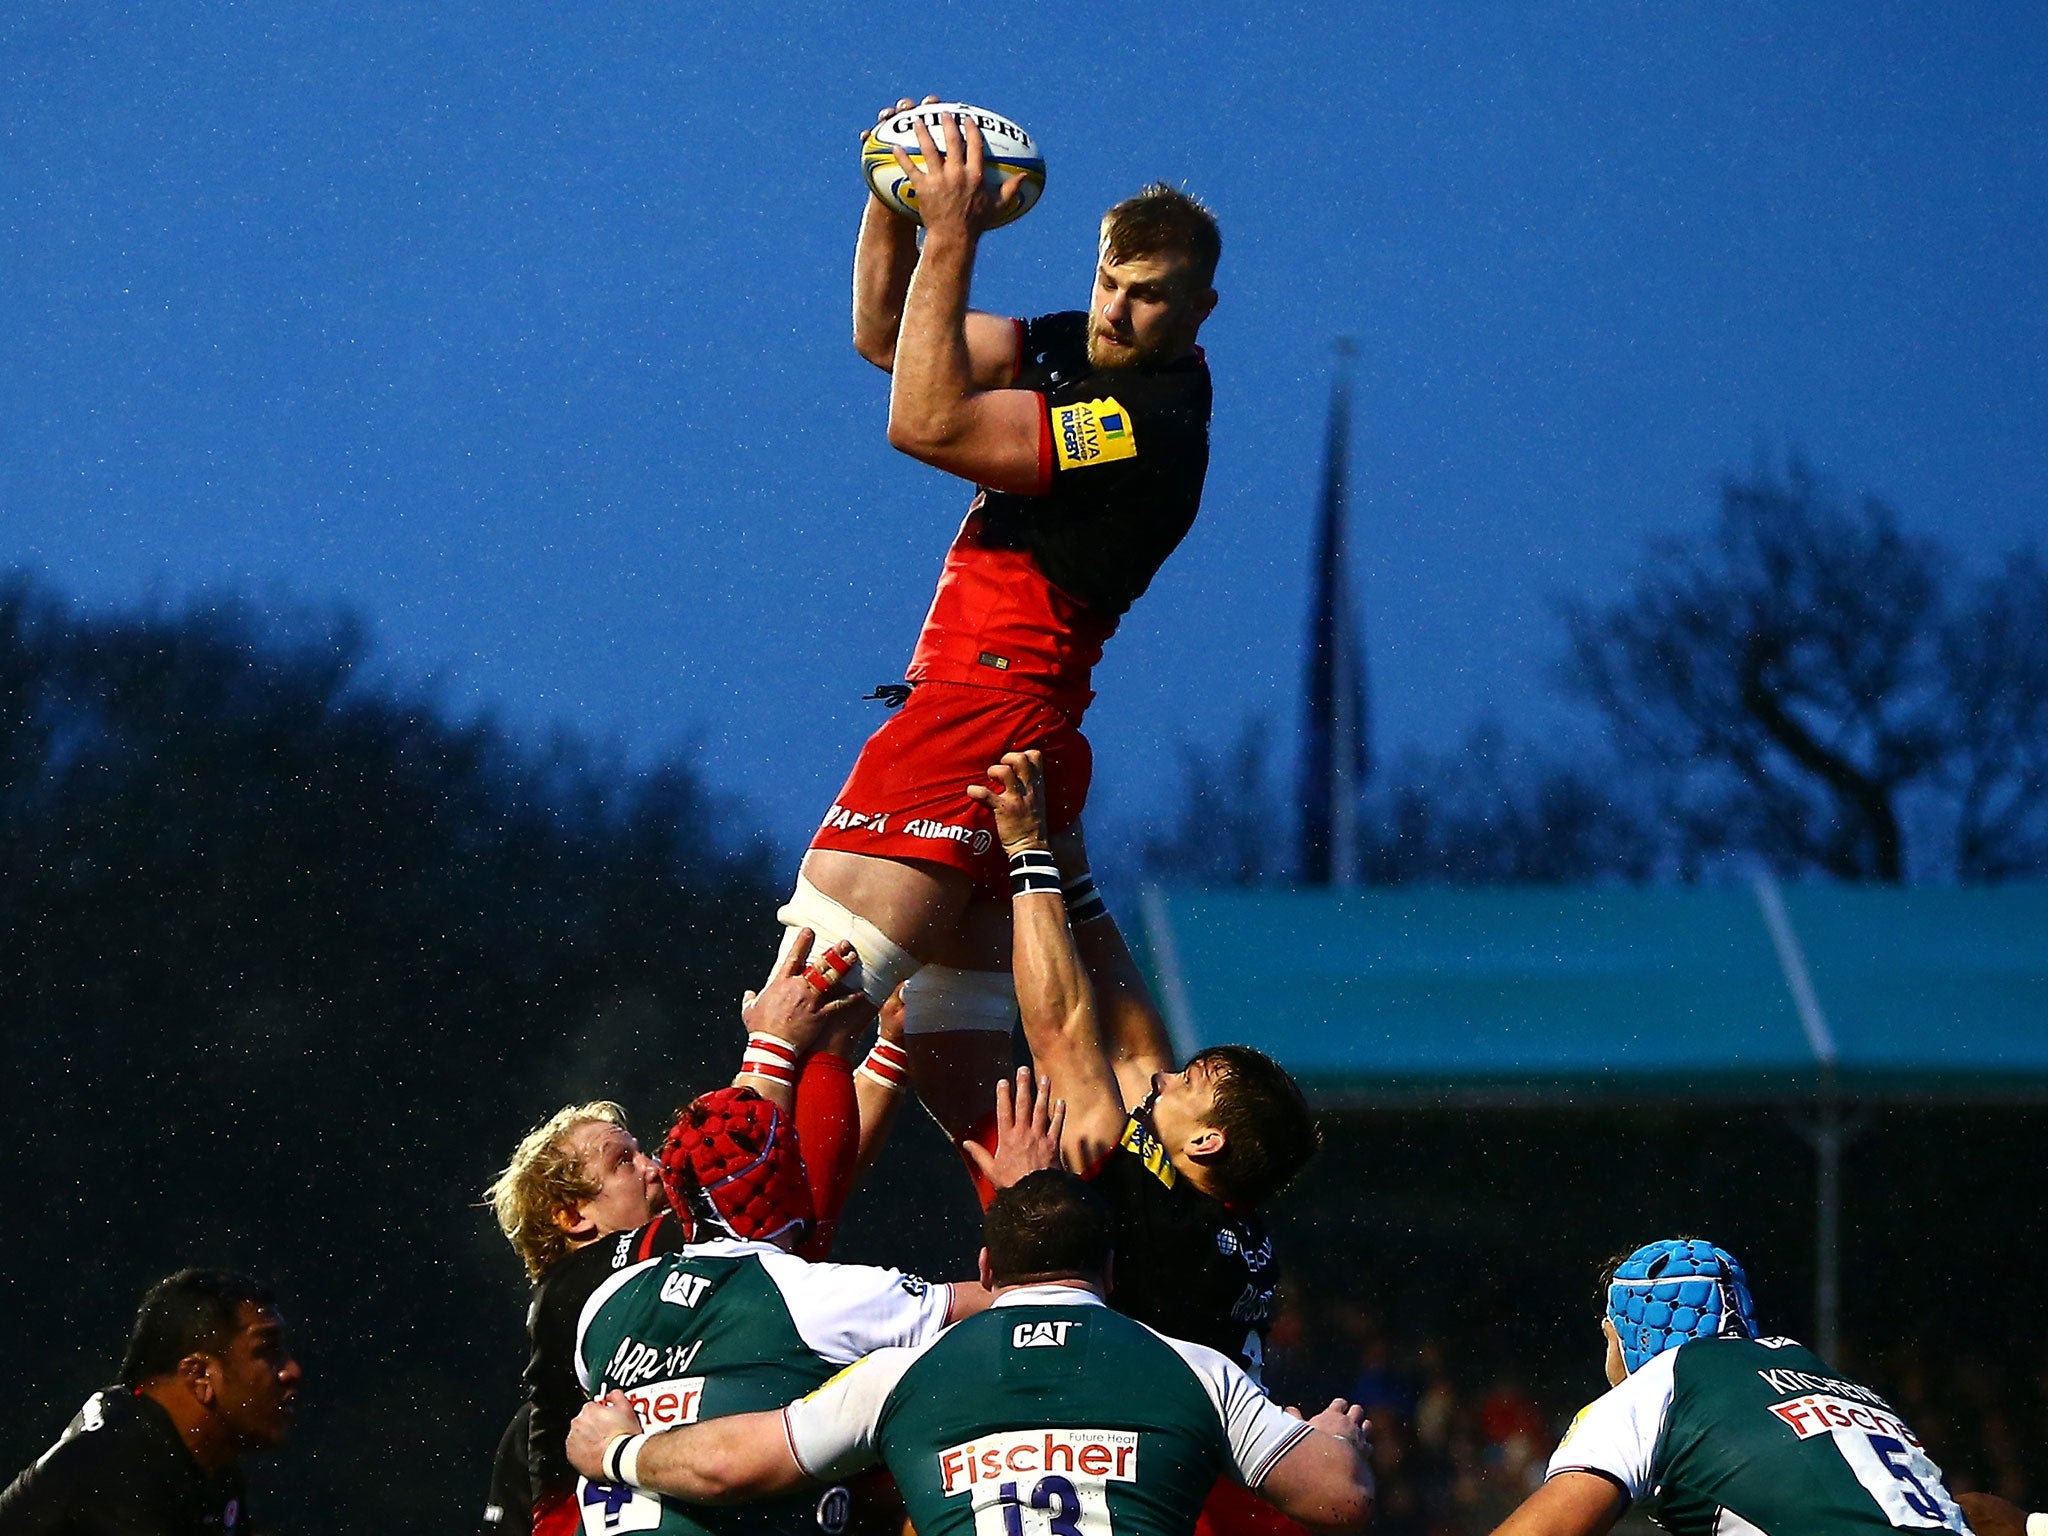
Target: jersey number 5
{"points": [[1905, 1484]]}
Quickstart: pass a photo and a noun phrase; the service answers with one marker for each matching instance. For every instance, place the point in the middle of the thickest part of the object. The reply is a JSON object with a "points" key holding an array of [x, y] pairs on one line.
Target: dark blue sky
{"points": [[523, 328]]}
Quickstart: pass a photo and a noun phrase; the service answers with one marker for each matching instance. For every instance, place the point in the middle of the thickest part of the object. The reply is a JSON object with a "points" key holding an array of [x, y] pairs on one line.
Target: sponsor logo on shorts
{"points": [[1092, 432], [1108, 1454], [840, 819], [977, 840]]}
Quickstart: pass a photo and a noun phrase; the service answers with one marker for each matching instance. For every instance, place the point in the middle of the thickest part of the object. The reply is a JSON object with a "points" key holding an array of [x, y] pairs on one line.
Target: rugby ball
{"points": [[1009, 151]]}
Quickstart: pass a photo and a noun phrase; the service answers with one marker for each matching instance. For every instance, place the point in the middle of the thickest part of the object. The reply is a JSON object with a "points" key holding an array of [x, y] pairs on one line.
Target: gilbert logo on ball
{"points": [[1010, 151]]}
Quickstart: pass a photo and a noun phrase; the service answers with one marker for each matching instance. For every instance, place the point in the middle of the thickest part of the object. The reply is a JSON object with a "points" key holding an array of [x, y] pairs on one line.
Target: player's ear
{"points": [[1207, 1142], [195, 1372], [570, 1219], [1616, 1365], [988, 1275]]}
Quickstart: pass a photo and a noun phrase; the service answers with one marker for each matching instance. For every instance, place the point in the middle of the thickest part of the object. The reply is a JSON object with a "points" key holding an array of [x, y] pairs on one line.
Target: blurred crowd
{"points": [[1461, 1436]]}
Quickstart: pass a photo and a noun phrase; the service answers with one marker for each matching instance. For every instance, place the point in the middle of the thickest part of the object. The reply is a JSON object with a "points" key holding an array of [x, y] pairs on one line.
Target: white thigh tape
{"points": [[884, 965], [940, 998]]}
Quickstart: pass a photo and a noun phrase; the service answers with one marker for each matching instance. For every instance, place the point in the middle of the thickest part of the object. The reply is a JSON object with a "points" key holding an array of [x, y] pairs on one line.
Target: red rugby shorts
{"points": [[907, 795], [1232, 1510]]}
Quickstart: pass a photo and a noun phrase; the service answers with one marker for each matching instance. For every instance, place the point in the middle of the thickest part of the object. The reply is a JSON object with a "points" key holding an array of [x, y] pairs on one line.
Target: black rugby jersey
{"points": [[121, 1469], [550, 1379], [510, 1506], [1186, 1263], [1102, 534]]}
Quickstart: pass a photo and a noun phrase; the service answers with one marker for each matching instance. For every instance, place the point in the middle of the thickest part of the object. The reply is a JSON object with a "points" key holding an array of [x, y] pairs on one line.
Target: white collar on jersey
{"points": [[1048, 1296], [733, 1245]]}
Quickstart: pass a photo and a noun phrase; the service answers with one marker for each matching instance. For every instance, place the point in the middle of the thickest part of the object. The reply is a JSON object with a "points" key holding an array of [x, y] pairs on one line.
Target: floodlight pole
{"points": [[1828, 1135], [1829, 1131]]}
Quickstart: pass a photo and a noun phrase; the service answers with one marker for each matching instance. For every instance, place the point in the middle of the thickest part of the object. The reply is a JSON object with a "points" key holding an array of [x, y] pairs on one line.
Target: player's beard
{"points": [[1103, 354]]}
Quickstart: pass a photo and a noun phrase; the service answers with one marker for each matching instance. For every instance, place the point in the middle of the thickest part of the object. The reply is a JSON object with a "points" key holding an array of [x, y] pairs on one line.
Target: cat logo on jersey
{"points": [[1092, 432]]}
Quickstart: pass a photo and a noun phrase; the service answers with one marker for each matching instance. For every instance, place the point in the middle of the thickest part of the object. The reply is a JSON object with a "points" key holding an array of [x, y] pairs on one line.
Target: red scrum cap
{"points": [[731, 1164]]}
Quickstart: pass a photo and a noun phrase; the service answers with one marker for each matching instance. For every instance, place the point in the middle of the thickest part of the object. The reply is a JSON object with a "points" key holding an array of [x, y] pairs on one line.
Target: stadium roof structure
{"points": [[1562, 996]]}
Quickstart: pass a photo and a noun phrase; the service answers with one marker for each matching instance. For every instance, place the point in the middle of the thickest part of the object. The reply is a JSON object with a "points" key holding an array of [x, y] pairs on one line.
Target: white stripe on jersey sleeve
{"points": [[1617, 1433], [1260, 1432], [844, 1311], [832, 1431], [598, 1298]]}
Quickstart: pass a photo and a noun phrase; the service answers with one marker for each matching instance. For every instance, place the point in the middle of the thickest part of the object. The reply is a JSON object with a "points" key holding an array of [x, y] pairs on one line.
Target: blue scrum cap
{"points": [[1683, 1288]]}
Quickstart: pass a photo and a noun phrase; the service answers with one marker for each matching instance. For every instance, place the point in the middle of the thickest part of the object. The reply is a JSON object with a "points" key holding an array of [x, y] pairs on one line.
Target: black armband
{"points": [[1034, 870], [1084, 901]]}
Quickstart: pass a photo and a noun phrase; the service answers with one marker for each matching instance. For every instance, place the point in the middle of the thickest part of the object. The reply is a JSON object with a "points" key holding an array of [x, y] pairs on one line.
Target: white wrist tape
{"points": [[2037, 1524], [884, 964], [621, 1459]]}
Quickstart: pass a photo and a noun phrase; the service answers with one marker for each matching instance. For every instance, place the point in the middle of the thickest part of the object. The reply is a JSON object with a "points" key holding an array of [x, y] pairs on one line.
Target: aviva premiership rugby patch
{"points": [[1092, 432]]}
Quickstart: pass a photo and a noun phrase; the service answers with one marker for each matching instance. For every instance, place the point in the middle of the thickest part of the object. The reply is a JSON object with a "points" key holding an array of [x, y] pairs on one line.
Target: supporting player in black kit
{"points": [[1186, 1157], [1194, 1260], [207, 1379]]}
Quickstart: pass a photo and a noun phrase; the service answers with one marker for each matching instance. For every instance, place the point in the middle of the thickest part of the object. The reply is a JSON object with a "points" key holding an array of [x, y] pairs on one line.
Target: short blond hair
{"points": [[546, 1175], [1158, 220]]}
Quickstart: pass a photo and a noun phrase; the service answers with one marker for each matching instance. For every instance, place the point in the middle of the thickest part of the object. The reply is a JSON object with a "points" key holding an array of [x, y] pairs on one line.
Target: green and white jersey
{"points": [[1047, 1415], [1757, 1437], [732, 1327]]}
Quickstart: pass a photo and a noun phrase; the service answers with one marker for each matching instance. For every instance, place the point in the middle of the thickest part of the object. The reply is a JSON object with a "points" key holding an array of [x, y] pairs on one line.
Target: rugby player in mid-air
{"points": [[1086, 437], [1716, 1432]]}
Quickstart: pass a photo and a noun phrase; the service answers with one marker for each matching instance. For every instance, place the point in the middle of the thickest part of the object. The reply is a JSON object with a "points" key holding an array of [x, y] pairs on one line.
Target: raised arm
{"points": [[1030, 1124], [880, 1084], [939, 411], [883, 262], [1054, 995], [802, 1000], [1133, 1030]]}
